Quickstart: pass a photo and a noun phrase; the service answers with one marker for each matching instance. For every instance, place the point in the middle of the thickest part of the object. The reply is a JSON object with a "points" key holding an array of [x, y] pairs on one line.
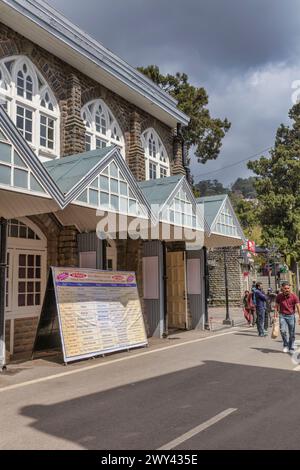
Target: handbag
{"points": [[275, 328]]}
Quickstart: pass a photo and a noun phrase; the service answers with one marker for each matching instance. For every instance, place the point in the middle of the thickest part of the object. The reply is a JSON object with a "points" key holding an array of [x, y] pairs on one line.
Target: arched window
{"points": [[157, 160], [102, 128], [28, 100]]}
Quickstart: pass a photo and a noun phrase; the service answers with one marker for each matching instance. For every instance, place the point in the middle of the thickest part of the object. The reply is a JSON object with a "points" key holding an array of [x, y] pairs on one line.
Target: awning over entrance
{"points": [[223, 227]]}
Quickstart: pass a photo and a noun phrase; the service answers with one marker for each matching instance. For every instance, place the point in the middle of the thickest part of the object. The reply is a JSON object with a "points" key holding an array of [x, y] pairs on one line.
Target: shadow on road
{"points": [[150, 413]]}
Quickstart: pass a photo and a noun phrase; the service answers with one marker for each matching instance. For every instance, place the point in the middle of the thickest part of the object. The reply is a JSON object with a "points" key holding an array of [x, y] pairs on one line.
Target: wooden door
{"points": [[176, 290]]}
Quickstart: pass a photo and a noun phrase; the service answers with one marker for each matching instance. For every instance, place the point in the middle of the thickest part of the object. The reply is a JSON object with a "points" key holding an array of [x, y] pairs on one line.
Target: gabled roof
{"points": [[68, 171], [213, 206], [161, 193], [74, 174], [51, 30], [66, 178], [29, 158], [158, 191]]}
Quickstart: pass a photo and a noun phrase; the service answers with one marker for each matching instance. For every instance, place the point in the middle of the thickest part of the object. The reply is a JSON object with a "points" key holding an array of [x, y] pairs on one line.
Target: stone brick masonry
{"points": [[73, 90], [217, 278]]}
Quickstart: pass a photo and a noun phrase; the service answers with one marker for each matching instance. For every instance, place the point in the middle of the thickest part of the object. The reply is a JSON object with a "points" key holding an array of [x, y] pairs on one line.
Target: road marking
{"points": [[188, 435], [103, 364]]}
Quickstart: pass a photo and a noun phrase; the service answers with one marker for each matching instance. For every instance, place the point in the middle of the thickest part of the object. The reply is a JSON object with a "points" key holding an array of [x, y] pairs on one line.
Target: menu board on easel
{"points": [[94, 312]]}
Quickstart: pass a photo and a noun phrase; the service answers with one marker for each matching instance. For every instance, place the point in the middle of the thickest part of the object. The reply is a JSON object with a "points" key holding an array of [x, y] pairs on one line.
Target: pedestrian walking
{"points": [[252, 300], [247, 309], [270, 305], [260, 301], [286, 305]]}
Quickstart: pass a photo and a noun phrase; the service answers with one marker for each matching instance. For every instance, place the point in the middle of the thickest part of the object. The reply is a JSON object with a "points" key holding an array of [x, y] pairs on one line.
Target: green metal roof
{"points": [[68, 171], [157, 191], [212, 205]]}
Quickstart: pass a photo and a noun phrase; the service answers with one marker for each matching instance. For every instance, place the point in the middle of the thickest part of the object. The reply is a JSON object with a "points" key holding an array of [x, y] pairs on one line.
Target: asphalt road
{"points": [[150, 399]]}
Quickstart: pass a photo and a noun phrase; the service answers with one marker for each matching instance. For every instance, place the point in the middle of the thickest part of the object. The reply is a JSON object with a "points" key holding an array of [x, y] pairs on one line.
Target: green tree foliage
{"points": [[247, 213], [210, 188], [203, 132], [278, 189], [245, 186]]}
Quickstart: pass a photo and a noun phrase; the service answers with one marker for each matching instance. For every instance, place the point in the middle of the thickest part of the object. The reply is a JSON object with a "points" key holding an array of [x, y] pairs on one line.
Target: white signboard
{"points": [[193, 276], [98, 312]]}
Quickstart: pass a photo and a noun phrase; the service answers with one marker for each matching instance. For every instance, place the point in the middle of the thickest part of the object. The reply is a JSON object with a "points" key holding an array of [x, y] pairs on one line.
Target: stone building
{"points": [[225, 241], [83, 131]]}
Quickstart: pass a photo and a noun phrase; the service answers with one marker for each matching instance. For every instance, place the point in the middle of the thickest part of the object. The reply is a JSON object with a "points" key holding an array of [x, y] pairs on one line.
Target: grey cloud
{"points": [[244, 52]]}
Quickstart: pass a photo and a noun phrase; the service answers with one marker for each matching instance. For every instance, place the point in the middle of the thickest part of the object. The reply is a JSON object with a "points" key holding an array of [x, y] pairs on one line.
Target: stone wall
{"points": [[217, 277], [24, 336], [73, 89]]}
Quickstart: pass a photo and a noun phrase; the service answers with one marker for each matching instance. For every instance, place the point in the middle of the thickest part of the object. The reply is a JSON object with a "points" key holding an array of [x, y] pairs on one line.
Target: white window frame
{"points": [[151, 140], [40, 89], [15, 247], [88, 115]]}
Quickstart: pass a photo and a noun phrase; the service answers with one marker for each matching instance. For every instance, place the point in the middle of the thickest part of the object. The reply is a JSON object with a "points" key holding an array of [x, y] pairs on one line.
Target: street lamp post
{"points": [[227, 320]]}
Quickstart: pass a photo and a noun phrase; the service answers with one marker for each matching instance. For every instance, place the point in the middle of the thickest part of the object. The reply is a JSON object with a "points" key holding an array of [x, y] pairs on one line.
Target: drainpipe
{"points": [[165, 278], [3, 242], [206, 289]]}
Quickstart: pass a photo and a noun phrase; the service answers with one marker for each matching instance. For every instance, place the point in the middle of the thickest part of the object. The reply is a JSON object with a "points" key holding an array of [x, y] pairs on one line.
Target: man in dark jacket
{"points": [[260, 299]]}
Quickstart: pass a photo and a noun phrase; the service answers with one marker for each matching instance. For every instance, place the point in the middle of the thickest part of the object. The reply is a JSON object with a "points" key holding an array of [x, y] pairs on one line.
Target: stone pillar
{"points": [[178, 168], [73, 126], [67, 247], [136, 154]]}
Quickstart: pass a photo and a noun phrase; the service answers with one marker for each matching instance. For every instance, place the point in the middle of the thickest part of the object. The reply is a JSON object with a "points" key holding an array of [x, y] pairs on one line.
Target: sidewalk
{"points": [[216, 316], [51, 366]]}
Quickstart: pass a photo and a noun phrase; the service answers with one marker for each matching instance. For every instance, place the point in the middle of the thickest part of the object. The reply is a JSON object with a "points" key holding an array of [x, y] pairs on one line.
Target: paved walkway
{"points": [[216, 316]]}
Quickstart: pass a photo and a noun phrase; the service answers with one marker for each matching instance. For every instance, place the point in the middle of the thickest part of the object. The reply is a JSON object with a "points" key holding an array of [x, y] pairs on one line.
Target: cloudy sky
{"points": [[245, 53]]}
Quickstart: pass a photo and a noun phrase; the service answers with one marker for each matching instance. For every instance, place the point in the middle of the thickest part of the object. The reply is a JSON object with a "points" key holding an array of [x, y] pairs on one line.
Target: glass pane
{"points": [[30, 273], [30, 298], [115, 202], [123, 204], [31, 236], [113, 169], [23, 231], [37, 287], [18, 161], [22, 260], [22, 273], [83, 196], [14, 231], [37, 273], [114, 186], [21, 289], [104, 199], [5, 172], [104, 183], [123, 188], [38, 260], [94, 184], [21, 300], [5, 152], [34, 185], [30, 260], [20, 178], [37, 299], [132, 206], [93, 197], [30, 287]]}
